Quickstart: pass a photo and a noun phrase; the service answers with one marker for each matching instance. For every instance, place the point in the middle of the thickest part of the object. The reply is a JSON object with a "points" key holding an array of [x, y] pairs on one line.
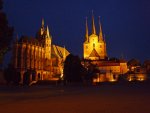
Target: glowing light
{"points": [[130, 79], [140, 79], [112, 80]]}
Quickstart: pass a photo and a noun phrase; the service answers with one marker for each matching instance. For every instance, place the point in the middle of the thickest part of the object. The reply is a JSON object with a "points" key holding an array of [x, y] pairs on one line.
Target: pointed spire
{"points": [[47, 32], [86, 32], [100, 30], [93, 24], [42, 22]]}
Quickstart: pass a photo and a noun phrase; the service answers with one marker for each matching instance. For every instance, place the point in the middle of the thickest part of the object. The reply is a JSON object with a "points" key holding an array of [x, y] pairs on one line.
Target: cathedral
{"points": [[38, 57], [94, 46], [95, 53]]}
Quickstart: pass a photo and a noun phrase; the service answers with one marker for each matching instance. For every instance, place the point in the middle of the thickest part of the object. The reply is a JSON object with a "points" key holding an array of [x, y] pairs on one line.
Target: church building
{"points": [[95, 53], [94, 46], [38, 57]]}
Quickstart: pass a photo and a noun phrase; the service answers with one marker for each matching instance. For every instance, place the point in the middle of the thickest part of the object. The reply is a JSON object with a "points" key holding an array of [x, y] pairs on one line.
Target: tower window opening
{"points": [[93, 45]]}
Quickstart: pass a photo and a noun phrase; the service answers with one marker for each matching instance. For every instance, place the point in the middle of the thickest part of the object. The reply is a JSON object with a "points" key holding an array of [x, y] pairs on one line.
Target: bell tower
{"points": [[47, 43], [94, 46]]}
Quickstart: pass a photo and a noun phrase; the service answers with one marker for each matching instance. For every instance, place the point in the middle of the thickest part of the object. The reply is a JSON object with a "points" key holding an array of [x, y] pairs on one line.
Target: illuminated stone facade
{"points": [[94, 52], [38, 56], [94, 46]]}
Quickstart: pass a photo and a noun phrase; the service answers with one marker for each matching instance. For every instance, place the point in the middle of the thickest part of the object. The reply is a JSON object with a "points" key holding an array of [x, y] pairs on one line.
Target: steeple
{"points": [[41, 31], [93, 24], [100, 31], [47, 32], [86, 32], [42, 22]]}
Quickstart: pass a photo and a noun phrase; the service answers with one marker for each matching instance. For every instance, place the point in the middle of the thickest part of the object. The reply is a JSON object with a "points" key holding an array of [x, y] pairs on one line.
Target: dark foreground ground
{"points": [[104, 98]]}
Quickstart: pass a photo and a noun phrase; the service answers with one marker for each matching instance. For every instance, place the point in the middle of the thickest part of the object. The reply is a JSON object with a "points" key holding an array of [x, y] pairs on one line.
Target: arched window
{"points": [[93, 45], [86, 47]]}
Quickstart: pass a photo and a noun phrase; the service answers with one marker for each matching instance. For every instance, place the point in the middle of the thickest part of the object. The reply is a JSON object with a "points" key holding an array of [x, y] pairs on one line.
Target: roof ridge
{"points": [[94, 53]]}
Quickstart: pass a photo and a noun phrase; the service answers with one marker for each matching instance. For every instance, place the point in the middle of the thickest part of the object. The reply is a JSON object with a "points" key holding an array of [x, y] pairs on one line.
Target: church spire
{"points": [[42, 22], [100, 30], [47, 32], [93, 24], [86, 32]]}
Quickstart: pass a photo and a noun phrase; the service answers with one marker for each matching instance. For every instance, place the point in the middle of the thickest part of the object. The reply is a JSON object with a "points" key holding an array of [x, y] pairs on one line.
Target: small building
{"points": [[139, 74]]}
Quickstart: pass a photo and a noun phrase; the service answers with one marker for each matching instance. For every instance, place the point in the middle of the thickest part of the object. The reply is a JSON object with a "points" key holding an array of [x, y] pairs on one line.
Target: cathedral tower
{"points": [[42, 28], [47, 43], [43, 35], [94, 46]]}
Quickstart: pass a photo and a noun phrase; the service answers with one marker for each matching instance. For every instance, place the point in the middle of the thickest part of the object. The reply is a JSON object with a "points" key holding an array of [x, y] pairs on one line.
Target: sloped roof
{"points": [[94, 53], [59, 52], [26, 39]]}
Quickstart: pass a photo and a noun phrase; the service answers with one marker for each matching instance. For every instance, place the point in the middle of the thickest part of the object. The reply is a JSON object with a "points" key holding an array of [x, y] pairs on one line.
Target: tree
{"points": [[11, 75], [134, 62], [1, 4], [73, 69], [6, 33], [8, 74], [92, 69], [26, 77], [146, 65]]}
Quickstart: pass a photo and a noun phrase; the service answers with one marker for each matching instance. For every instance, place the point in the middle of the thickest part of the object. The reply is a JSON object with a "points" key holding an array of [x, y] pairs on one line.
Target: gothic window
{"points": [[86, 47], [93, 45], [100, 46]]}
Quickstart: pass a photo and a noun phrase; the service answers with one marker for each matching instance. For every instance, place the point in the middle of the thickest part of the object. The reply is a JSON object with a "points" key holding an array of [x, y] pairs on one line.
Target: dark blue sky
{"points": [[126, 23]]}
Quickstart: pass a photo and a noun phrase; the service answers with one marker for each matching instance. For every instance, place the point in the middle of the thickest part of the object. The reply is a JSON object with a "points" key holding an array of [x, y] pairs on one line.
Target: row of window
{"points": [[93, 46]]}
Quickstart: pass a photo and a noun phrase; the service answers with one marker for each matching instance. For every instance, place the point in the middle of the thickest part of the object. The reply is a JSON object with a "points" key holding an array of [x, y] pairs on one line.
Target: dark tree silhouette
{"points": [[8, 74], [134, 62], [146, 65], [6, 33], [26, 77], [73, 69], [11, 75], [1, 4], [16, 77]]}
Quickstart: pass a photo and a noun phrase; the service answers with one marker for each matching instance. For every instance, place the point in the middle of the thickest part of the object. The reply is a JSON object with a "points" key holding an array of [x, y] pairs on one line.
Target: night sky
{"points": [[126, 23]]}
